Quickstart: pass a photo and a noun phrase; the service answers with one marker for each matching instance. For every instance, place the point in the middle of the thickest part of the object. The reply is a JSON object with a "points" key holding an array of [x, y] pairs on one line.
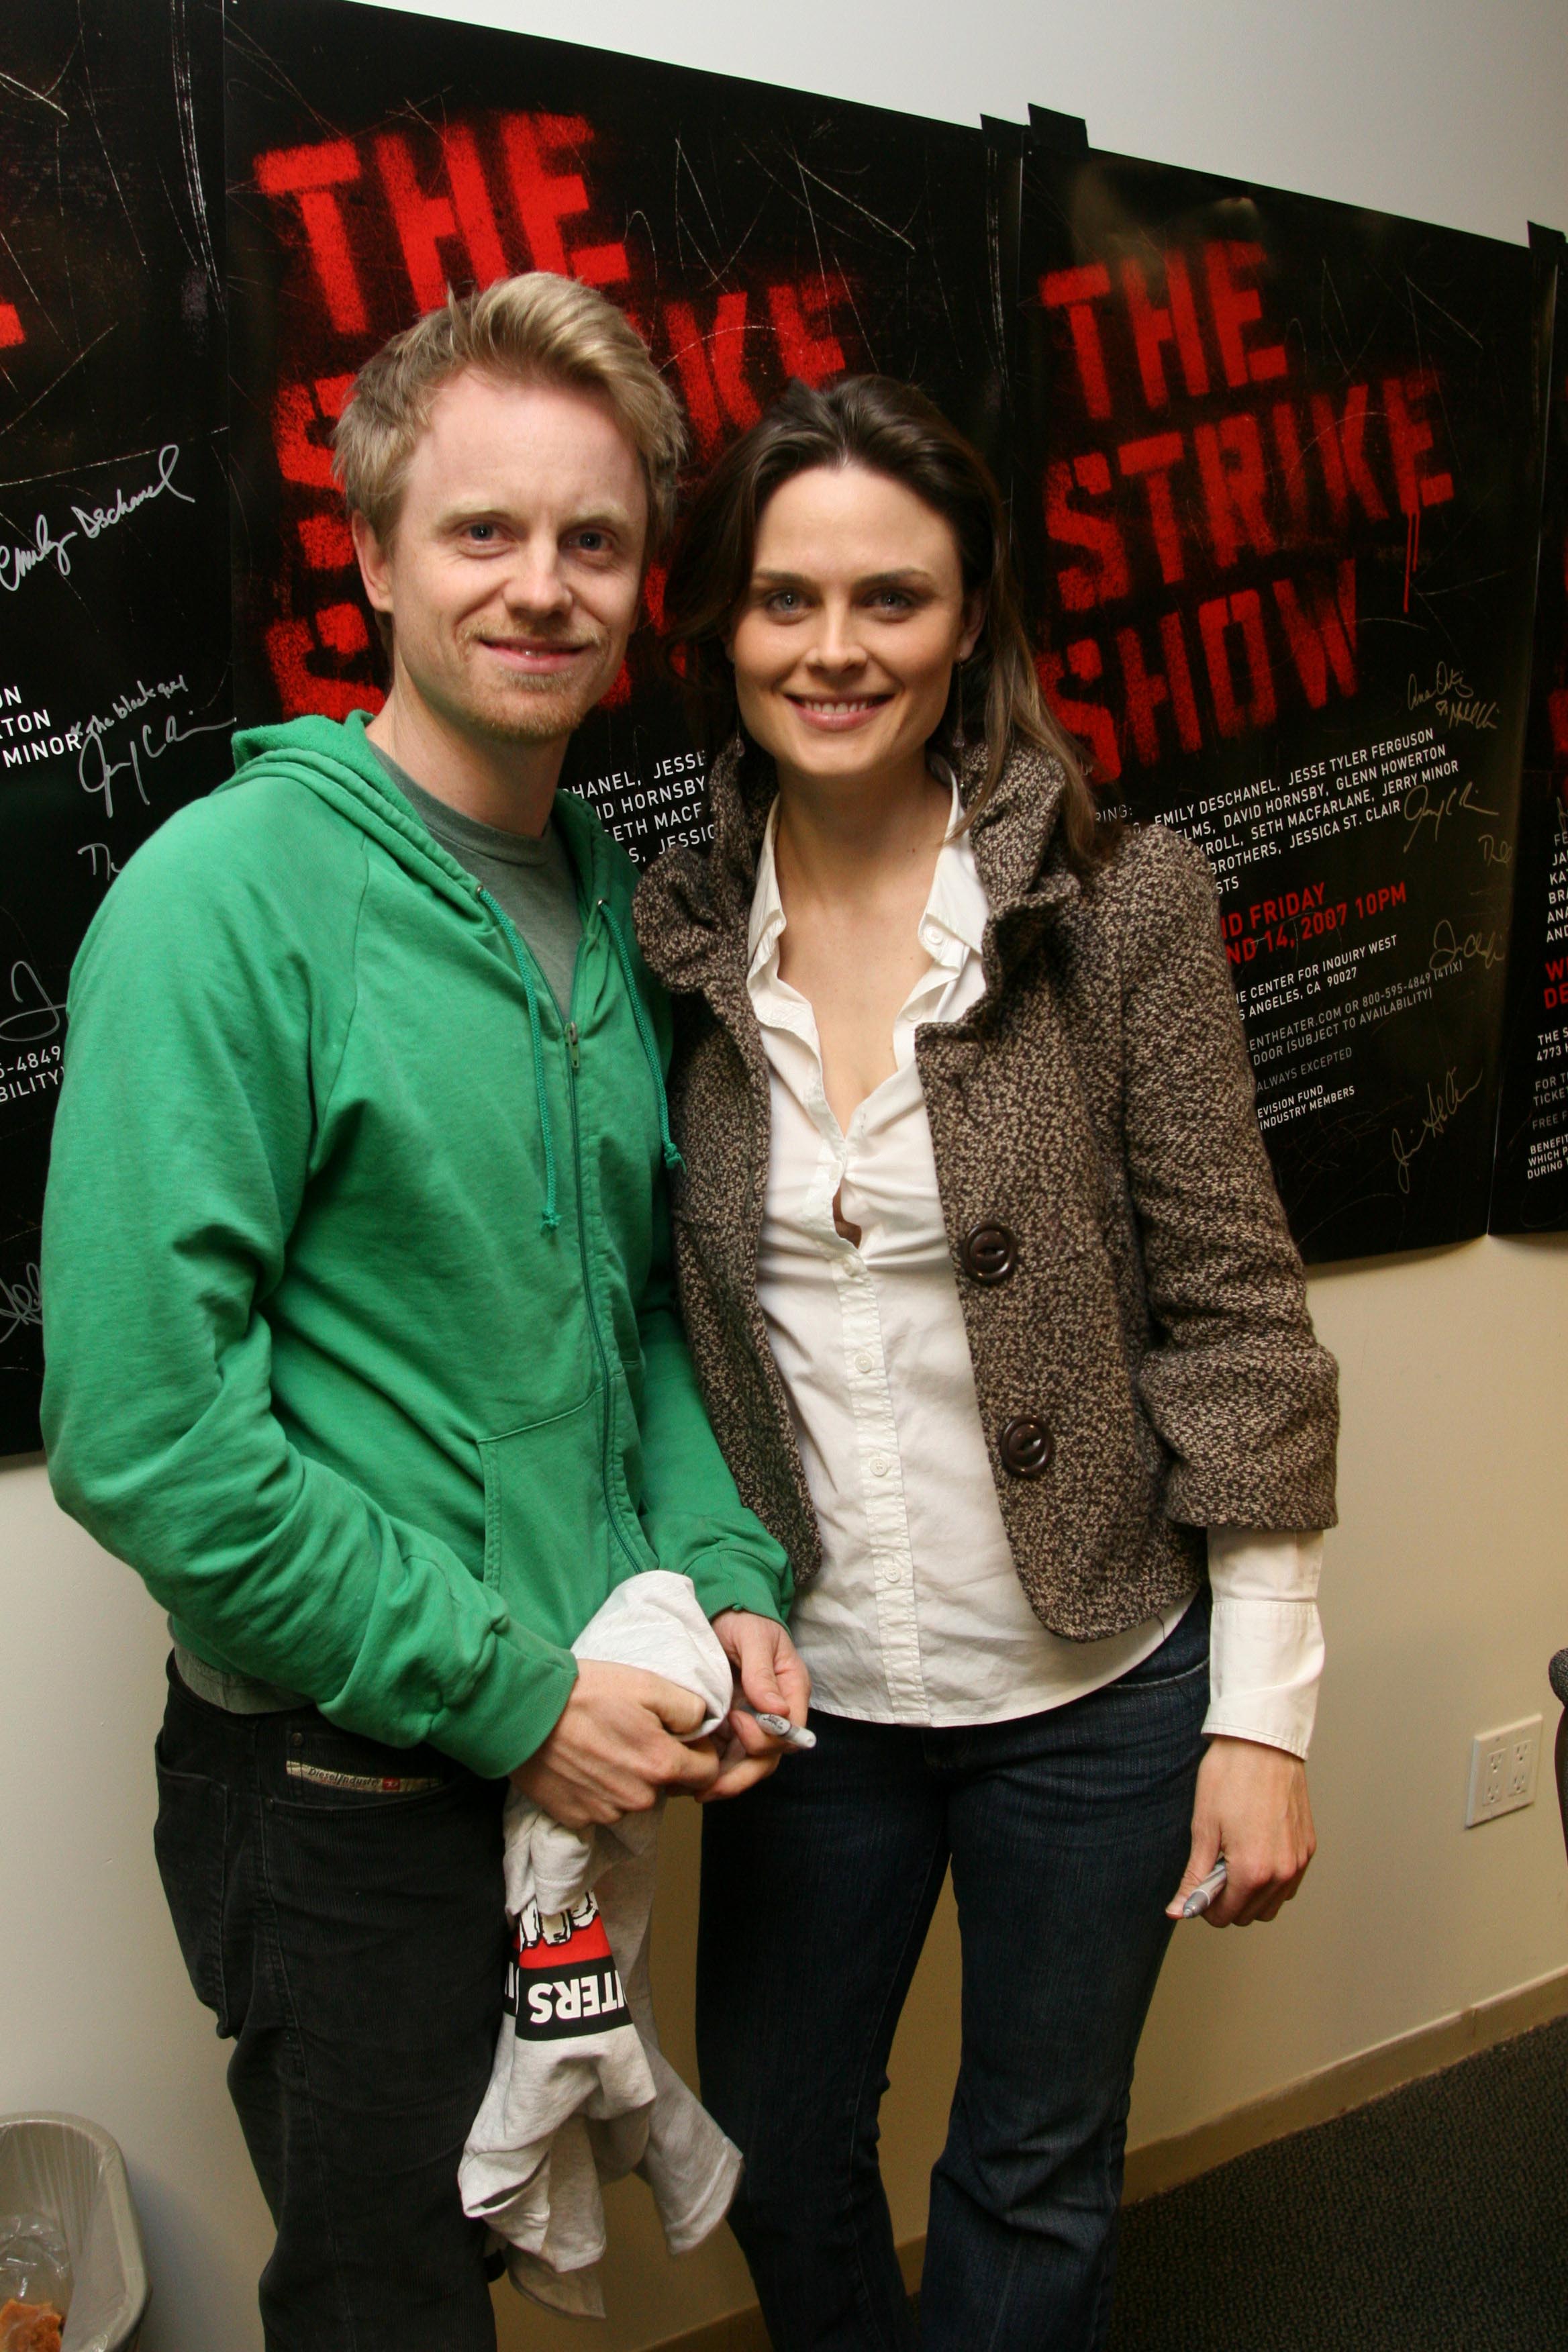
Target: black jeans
{"points": [[1067, 1833], [340, 1910]]}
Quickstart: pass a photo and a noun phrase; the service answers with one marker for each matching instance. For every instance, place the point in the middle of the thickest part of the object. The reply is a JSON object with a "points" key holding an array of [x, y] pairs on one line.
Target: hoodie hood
{"points": [[339, 766]]}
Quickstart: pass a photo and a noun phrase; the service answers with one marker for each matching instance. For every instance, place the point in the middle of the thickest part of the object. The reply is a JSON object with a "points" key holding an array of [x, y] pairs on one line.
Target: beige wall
{"points": [[1446, 1588]]}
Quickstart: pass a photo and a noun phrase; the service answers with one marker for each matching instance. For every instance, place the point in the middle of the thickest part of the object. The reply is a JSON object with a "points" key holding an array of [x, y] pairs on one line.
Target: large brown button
{"points": [[989, 1254], [1026, 1448]]}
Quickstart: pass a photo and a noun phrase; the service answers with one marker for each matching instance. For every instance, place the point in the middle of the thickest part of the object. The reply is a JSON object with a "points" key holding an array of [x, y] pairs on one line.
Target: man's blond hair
{"points": [[538, 328]]}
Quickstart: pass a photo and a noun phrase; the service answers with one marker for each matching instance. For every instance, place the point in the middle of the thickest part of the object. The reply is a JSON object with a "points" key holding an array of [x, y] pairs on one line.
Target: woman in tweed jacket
{"points": [[1004, 1336]]}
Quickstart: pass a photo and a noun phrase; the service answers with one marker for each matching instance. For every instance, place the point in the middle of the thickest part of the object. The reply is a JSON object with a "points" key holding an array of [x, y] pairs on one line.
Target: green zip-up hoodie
{"points": [[360, 1336]]}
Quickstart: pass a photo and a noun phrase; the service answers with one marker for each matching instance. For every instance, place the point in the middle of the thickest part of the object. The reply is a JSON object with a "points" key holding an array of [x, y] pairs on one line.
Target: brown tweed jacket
{"points": [[1135, 1305]]}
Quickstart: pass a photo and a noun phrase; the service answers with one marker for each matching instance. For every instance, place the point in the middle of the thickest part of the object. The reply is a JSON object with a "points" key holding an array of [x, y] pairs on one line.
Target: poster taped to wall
{"points": [[1530, 1192], [114, 693], [752, 234], [1277, 481], [1273, 461]]}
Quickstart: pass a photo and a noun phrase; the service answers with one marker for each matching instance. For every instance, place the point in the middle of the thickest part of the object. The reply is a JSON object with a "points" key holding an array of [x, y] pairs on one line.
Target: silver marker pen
{"points": [[781, 1727], [1203, 1893]]}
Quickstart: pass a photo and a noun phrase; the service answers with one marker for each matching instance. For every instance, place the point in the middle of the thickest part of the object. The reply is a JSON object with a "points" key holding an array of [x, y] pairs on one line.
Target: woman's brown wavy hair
{"points": [[892, 429]]}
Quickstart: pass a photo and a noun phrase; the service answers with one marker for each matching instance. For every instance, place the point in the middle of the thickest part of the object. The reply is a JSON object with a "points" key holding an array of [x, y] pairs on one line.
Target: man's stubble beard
{"points": [[519, 709], [535, 714]]}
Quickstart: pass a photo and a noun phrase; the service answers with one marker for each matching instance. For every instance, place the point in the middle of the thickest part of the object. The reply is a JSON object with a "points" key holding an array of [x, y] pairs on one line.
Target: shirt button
{"points": [[879, 1466], [891, 1573], [863, 1361]]}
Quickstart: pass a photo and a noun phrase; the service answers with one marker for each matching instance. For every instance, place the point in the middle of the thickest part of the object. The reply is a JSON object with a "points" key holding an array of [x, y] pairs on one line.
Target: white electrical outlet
{"points": [[1502, 1770]]}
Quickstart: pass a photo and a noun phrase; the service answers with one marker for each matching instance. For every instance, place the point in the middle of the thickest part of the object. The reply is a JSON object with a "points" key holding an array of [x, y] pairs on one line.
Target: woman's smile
{"points": [[837, 715]]}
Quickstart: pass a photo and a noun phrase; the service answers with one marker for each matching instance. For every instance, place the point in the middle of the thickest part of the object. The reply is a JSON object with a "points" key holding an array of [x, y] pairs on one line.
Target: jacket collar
{"points": [[694, 907]]}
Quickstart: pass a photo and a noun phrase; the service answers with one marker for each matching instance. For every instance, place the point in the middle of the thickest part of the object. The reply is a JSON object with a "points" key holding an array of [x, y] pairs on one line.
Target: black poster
{"points": [[114, 694], [1277, 484], [1530, 1191], [752, 234]]}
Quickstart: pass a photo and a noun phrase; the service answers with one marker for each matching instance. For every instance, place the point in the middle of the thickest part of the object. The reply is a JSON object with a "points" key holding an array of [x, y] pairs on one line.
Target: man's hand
{"points": [[1251, 1806], [618, 1744], [773, 1680]]}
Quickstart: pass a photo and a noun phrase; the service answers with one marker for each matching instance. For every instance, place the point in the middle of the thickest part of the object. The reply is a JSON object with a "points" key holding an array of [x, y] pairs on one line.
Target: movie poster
{"points": [[1278, 484], [1530, 1191], [114, 694], [752, 234]]}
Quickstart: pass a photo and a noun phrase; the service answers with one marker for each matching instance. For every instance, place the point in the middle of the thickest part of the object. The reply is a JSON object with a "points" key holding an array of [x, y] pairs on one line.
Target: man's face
{"points": [[513, 573]]}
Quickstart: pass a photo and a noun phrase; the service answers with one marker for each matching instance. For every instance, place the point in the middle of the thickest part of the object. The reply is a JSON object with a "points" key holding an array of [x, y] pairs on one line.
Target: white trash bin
{"points": [[69, 2172]]}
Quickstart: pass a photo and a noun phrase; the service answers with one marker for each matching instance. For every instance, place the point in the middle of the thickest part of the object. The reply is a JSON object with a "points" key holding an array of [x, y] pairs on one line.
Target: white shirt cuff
{"points": [[1266, 1657]]}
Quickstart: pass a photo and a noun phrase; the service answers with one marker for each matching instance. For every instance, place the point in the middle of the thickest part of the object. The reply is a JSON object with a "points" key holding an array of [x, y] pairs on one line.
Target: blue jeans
{"points": [[1066, 1832]]}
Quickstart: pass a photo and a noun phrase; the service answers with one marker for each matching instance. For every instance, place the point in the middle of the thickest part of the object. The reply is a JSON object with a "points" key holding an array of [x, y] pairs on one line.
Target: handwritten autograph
{"points": [[21, 1303], [96, 771], [1457, 704], [1442, 1102], [41, 1017], [47, 546], [1448, 949], [1419, 808]]}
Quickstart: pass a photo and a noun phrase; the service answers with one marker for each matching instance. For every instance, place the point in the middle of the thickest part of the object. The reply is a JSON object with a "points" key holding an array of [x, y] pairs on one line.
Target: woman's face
{"points": [[855, 616]]}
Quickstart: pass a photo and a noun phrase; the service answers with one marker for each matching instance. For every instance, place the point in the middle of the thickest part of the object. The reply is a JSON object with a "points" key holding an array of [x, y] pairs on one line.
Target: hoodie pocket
{"points": [[547, 1529]]}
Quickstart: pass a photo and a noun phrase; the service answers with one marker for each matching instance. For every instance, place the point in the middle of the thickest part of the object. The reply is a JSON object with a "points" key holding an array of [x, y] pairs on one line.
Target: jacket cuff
{"points": [[512, 1709], [724, 1581]]}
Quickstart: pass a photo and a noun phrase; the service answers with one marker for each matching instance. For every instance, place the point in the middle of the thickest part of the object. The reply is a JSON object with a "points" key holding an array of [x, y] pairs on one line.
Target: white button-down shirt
{"points": [[918, 1615]]}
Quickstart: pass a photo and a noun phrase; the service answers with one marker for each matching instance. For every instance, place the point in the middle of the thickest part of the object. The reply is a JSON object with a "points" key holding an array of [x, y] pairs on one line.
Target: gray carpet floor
{"points": [[1434, 2221]]}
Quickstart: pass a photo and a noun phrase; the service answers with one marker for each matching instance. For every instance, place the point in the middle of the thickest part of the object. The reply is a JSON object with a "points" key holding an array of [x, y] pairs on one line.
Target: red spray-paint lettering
{"points": [[311, 175], [1217, 619], [1076, 292], [1342, 452], [1154, 708], [1154, 326], [1151, 462], [1410, 436], [303, 689], [1235, 488], [325, 543], [471, 201], [1234, 306], [427, 224], [1130, 314], [801, 317], [1147, 690], [546, 198], [302, 418], [1079, 586], [1089, 721], [484, 196], [1321, 634], [712, 369]]}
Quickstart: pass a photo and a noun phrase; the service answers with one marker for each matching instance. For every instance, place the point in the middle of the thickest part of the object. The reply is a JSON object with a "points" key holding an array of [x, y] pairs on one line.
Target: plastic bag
{"points": [[35, 2261]]}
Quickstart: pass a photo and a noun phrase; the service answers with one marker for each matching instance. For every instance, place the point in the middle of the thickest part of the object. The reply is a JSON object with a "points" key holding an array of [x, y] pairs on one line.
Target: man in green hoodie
{"points": [[359, 1328]]}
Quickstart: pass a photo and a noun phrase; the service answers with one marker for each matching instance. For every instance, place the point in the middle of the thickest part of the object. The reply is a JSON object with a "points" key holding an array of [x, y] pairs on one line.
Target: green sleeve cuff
{"points": [[723, 1580], [512, 1710]]}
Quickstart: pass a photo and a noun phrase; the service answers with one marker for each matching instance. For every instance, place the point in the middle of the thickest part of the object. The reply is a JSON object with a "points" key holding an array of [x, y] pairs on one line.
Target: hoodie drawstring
{"points": [[672, 1158], [552, 1217]]}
